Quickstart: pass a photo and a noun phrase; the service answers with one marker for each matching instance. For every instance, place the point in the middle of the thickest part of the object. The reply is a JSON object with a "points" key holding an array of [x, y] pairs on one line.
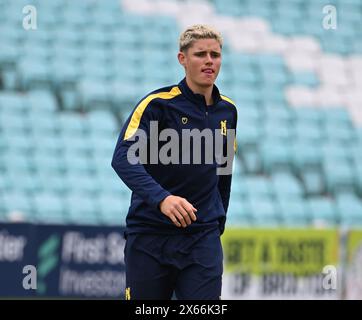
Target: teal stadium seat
{"points": [[339, 176], [287, 186], [238, 213], [28, 184], [16, 201], [53, 183], [48, 163], [258, 186], [82, 184], [293, 212], [50, 208], [263, 212], [82, 209], [276, 155], [349, 208], [112, 209], [323, 211]]}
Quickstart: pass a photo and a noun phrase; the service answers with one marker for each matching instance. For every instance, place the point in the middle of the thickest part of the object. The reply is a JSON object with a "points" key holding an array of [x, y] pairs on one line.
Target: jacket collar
{"points": [[196, 97]]}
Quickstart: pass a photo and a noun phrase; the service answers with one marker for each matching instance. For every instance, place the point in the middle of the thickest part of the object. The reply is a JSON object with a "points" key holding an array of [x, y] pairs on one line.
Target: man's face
{"points": [[202, 62]]}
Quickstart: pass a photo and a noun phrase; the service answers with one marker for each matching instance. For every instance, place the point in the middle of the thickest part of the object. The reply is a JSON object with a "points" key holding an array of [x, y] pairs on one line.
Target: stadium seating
{"points": [[66, 89]]}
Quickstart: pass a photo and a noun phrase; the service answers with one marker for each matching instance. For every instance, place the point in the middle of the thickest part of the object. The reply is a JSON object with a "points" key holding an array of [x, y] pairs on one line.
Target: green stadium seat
{"points": [[50, 208]]}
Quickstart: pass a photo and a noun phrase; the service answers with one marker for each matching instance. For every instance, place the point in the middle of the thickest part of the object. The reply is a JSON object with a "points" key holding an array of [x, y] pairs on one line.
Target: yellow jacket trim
{"points": [[137, 114]]}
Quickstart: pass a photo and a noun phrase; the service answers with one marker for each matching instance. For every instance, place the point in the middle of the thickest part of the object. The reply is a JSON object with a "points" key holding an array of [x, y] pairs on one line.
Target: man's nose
{"points": [[208, 58]]}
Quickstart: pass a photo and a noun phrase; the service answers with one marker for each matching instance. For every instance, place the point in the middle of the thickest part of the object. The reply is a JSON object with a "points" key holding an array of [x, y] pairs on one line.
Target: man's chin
{"points": [[207, 83]]}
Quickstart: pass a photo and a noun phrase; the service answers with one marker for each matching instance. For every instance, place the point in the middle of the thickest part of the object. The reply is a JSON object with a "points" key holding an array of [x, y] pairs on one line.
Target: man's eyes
{"points": [[202, 54]]}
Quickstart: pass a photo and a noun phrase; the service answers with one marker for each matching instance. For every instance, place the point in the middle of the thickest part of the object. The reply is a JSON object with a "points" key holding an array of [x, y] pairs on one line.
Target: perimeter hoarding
{"points": [[281, 264], [354, 265], [70, 261]]}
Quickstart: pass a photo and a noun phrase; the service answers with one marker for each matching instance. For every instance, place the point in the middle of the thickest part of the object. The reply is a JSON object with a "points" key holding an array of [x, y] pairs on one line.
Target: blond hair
{"points": [[196, 32]]}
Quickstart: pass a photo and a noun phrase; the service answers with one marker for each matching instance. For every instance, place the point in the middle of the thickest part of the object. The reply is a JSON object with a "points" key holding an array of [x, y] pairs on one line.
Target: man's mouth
{"points": [[208, 71]]}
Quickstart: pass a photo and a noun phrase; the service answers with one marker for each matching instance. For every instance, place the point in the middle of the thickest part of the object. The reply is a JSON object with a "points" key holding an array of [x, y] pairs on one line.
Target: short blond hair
{"points": [[197, 32]]}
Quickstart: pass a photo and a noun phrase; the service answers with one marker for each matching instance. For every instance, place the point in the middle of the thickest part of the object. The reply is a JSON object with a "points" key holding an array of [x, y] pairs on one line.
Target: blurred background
{"points": [[71, 72]]}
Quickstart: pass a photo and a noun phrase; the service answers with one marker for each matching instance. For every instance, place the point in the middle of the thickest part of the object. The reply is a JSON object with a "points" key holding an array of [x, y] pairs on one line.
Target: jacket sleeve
{"points": [[224, 186], [135, 176]]}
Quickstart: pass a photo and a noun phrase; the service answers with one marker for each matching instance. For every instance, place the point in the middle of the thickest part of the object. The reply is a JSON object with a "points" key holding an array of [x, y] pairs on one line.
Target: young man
{"points": [[178, 207]]}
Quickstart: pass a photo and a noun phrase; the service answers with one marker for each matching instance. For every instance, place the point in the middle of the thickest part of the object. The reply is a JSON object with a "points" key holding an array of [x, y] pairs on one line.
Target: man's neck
{"points": [[205, 91]]}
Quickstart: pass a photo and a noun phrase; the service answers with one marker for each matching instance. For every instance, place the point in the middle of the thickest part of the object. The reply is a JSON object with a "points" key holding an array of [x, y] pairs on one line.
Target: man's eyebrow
{"points": [[203, 51]]}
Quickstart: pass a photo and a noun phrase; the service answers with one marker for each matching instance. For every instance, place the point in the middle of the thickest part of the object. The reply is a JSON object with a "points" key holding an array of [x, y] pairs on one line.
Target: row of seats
{"points": [[294, 166], [298, 17], [54, 208], [312, 212]]}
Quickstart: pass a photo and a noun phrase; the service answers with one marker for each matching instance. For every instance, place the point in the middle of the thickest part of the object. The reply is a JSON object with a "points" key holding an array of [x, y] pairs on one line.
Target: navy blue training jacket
{"points": [[179, 108]]}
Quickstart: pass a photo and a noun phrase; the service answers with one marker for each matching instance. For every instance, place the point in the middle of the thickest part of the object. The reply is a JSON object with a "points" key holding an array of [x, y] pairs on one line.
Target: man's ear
{"points": [[181, 58]]}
